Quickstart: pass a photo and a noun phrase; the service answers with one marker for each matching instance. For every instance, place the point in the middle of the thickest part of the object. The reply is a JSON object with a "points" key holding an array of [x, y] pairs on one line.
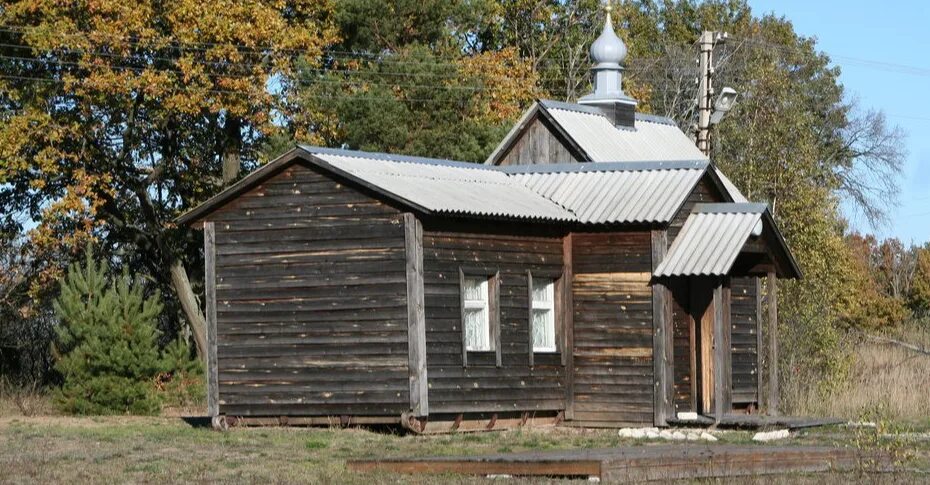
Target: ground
{"points": [[169, 450]]}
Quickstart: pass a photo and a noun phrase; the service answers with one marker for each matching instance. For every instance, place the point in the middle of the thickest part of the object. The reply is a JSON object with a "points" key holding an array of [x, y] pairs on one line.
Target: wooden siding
{"points": [[613, 342], [704, 192], [538, 144], [685, 359], [745, 343], [485, 386], [311, 301]]}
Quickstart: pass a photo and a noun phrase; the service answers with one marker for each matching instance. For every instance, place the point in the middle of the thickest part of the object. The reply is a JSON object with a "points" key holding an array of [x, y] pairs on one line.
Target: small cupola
{"points": [[608, 53]]}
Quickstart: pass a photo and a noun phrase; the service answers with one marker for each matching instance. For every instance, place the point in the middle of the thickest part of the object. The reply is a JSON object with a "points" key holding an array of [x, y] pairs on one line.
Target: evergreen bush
{"points": [[107, 343]]}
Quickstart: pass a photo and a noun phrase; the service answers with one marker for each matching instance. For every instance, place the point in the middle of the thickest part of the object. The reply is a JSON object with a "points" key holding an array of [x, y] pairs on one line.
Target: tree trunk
{"points": [[232, 148], [190, 305]]}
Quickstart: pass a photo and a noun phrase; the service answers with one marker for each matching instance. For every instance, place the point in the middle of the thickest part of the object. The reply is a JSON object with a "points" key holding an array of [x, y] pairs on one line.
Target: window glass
{"points": [[477, 324], [543, 311]]}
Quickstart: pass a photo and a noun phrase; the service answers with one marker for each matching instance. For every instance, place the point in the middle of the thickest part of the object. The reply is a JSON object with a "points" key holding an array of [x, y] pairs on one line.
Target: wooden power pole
{"points": [[706, 87]]}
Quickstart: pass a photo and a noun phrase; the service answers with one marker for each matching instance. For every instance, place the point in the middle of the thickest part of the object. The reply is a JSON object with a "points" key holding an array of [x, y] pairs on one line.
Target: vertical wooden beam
{"points": [[568, 322], [773, 344], [416, 316], [727, 329], [663, 345], [494, 318], [529, 322], [759, 345], [462, 317], [209, 256], [692, 344], [719, 351]]}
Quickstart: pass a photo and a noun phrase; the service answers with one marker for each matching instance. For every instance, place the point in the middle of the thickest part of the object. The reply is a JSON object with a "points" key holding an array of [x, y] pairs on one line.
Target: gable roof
{"points": [[597, 139], [602, 193], [635, 192], [713, 237], [444, 187]]}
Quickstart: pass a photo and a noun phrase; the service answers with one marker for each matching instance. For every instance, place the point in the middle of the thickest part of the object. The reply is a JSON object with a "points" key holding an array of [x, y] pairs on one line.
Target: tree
{"points": [[919, 296], [107, 343], [117, 116]]}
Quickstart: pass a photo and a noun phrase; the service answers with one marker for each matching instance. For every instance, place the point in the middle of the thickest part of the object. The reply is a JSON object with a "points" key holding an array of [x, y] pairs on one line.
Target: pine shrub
{"points": [[107, 343]]}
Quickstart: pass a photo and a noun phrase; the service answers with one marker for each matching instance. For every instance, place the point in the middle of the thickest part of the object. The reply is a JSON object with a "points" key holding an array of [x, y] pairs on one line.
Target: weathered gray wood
{"points": [[568, 325], [759, 347], [663, 337], [462, 317], [612, 328], [494, 317], [416, 316], [209, 254], [773, 343], [727, 329], [718, 354], [529, 313]]}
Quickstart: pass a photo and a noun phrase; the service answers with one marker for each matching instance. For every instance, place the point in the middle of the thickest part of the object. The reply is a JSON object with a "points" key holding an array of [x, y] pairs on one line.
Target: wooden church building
{"points": [[597, 270]]}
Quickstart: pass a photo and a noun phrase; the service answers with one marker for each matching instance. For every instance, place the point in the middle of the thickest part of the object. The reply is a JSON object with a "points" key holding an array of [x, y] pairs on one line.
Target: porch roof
{"points": [[714, 236]]}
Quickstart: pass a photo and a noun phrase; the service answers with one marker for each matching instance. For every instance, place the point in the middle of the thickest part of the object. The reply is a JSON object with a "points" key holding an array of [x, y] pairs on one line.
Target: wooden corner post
{"points": [[663, 345], [209, 256], [416, 316], [723, 368], [568, 322], [772, 288]]}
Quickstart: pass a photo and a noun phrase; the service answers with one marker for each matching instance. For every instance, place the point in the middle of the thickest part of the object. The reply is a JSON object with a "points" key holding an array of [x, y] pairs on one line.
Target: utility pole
{"points": [[706, 87]]}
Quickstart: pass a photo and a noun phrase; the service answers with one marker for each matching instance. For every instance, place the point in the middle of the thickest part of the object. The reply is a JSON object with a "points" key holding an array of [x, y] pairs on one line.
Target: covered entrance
{"points": [[713, 277]]}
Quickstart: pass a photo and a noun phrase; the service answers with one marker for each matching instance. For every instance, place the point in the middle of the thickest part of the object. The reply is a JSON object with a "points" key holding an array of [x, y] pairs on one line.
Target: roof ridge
{"points": [[597, 167], [389, 157], [730, 208]]}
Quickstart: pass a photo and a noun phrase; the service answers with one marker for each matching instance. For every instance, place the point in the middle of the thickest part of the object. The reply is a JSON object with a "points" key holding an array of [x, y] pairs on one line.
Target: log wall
{"points": [[482, 385], [613, 344], [311, 309], [744, 341]]}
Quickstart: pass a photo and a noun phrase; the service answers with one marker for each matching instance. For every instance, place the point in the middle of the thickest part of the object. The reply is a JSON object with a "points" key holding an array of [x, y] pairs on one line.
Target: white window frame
{"points": [[543, 305], [481, 305]]}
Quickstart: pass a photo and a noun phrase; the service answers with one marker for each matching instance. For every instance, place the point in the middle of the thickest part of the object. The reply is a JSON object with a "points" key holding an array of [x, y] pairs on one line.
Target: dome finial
{"points": [[608, 49], [607, 53]]}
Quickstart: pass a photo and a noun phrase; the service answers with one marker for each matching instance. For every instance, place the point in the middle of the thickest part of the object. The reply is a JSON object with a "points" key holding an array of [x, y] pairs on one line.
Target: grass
{"points": [[886, 383], [168, 450]]}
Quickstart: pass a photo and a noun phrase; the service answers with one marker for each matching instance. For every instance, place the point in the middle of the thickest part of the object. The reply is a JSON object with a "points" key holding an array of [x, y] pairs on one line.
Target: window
{"points": [[543, 314], [476, 299]]}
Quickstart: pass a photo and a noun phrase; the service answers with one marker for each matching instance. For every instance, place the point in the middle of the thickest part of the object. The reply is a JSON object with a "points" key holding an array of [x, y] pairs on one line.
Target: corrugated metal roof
{"points": [[651, 140], [711, 239], [445, 187], [654, 138], [616, 193]]}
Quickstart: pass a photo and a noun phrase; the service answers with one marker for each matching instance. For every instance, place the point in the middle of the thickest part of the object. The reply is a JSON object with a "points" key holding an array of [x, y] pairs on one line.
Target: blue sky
{"points": [[890, 32]]}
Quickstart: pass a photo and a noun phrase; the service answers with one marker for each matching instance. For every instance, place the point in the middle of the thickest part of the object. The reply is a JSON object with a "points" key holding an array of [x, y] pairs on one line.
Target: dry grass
{"points": [[165, 450], [23, 400], [886, 382]]}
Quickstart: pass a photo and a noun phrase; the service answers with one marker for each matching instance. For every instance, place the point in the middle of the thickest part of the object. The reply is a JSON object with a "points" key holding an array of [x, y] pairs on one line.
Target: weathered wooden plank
{"points": [[462, 317], [416, 317], [773, 344], [758, 355], [529, 314], [663, 336], [209, 253]]}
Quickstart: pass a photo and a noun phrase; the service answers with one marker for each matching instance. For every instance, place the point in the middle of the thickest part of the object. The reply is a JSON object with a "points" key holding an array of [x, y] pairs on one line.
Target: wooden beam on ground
{"points": [[773, 343], [416, 316], [635, 464], [663, 345], [209, 256]]}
